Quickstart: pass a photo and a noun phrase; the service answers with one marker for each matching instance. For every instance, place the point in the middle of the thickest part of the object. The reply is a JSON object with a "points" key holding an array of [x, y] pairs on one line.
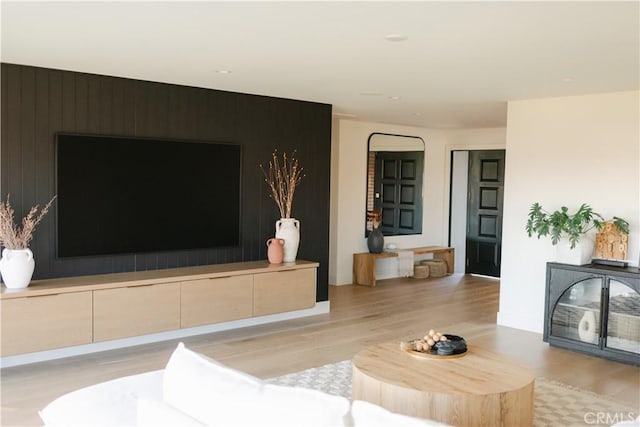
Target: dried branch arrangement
{"points": [[282, 177], [375, 216], [14, 236]]}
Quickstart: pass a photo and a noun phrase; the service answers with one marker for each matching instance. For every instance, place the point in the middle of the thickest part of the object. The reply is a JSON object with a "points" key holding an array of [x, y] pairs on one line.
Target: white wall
{"points": [[564, 151], [348, 189], [476, 139], [459, 192]]}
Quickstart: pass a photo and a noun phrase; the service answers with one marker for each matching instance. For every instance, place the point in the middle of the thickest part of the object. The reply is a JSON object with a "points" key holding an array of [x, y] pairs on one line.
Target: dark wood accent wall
{"points": [[38, 102]]}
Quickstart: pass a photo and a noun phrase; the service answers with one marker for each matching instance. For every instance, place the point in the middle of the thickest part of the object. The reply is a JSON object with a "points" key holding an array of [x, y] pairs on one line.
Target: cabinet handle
{"points": [[143, 286], [40, 296]]}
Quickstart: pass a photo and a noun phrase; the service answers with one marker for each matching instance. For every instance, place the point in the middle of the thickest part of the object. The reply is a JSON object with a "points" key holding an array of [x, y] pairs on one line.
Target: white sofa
{"points": [[194, 390]]}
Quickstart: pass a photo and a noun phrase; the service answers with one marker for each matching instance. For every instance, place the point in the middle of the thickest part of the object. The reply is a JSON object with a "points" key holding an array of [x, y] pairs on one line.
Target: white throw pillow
{"points": [[156, 413], [206, 390], [367, 414], [216, 395]]}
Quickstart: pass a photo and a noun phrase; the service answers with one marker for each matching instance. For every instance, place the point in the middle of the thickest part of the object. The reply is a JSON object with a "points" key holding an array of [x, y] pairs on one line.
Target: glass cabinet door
{"points": [[576, 316], [623, 320]]}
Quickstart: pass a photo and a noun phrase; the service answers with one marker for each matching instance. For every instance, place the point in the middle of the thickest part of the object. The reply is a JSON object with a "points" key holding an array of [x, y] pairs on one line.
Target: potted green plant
{"points": [[569, 230]]}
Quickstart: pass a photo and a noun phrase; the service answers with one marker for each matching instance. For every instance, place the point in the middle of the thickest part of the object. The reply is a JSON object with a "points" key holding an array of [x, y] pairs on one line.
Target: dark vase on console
{"points": [[375, 241]]}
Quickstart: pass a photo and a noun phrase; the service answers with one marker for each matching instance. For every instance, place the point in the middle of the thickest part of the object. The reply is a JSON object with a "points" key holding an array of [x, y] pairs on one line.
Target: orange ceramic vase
{"points": [[275, 251]]}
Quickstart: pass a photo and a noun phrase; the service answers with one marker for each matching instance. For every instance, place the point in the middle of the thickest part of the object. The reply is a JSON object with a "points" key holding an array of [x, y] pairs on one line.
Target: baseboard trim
{"points": [[321, 307], [517, 321]]}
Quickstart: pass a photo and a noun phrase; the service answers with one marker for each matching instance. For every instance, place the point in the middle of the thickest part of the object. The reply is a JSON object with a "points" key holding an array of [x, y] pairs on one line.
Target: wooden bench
{"points": [[364, 263]]}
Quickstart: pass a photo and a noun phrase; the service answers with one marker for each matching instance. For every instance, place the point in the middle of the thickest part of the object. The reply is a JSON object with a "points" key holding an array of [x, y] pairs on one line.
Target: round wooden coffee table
{"points": [[481, 388]]}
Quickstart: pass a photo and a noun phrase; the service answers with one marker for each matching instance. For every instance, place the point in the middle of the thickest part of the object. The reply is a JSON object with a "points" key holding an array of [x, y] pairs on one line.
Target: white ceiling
{"points": [[459, 65]]}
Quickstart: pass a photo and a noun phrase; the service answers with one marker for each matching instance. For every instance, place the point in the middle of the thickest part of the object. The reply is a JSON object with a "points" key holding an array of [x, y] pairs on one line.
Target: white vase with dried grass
{"points": [[288, 229], [282, 177], [17, 264]]}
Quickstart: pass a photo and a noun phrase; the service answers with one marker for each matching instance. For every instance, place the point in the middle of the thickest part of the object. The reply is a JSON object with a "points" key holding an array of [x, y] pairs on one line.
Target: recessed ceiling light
{"points": [[395, 98], [223, 71], [396, 37], [567, 80]]}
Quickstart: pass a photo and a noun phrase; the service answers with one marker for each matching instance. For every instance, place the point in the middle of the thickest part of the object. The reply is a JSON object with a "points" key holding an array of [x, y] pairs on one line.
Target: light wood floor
{"points": [[395, 309]]}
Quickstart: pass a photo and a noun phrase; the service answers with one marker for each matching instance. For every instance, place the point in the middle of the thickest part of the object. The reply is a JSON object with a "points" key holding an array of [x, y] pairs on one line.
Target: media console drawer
{"points": [[208, 301], [282, 291], [45, 322], [135, 310]]}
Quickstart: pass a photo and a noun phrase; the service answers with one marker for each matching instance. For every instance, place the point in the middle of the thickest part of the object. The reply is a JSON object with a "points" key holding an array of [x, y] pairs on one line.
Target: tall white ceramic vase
{"points": [[16, 267], [288, 229]]}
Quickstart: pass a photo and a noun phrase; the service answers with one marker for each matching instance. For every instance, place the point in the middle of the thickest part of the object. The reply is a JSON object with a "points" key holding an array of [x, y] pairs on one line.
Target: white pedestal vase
{"points": [[16, 267], [587, 328], [580, 255], [288, 229]]}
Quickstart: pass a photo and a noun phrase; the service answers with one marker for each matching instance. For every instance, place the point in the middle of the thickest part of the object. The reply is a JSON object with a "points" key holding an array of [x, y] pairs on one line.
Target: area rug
{"points": [[555, 404]]}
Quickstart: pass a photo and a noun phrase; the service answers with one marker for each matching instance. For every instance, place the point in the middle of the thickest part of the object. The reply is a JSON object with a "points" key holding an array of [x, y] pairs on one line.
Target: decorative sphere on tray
{"points": [[436, 343]]}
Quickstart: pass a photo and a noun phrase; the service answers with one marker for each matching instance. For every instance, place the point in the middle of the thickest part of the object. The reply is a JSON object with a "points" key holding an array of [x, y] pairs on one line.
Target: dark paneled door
{"points": [[398, 188], [484, 212]]}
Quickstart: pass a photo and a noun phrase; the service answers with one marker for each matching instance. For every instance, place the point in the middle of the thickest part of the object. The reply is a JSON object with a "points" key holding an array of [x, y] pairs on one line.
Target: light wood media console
{"points": [[57, 313]]}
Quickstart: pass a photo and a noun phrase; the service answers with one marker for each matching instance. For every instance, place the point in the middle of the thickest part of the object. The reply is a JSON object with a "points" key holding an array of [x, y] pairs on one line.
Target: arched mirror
{"points": [[395, 167]]}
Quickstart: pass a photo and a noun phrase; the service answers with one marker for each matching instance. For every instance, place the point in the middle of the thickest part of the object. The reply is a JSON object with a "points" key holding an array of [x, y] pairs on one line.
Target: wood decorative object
{"points": [[482, 388], [611, 243]]}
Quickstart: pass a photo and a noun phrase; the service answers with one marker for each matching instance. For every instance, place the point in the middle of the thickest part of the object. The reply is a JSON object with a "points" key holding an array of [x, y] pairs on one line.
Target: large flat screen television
{"points": [[125, 195]]}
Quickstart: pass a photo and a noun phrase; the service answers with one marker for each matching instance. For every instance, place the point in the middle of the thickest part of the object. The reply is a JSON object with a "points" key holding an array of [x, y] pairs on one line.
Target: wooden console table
{"points": [[364, 263]]}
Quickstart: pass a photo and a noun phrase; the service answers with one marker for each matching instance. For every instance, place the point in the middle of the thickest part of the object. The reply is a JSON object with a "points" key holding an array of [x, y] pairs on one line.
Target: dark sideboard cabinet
{"points": [[594, 309]]}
